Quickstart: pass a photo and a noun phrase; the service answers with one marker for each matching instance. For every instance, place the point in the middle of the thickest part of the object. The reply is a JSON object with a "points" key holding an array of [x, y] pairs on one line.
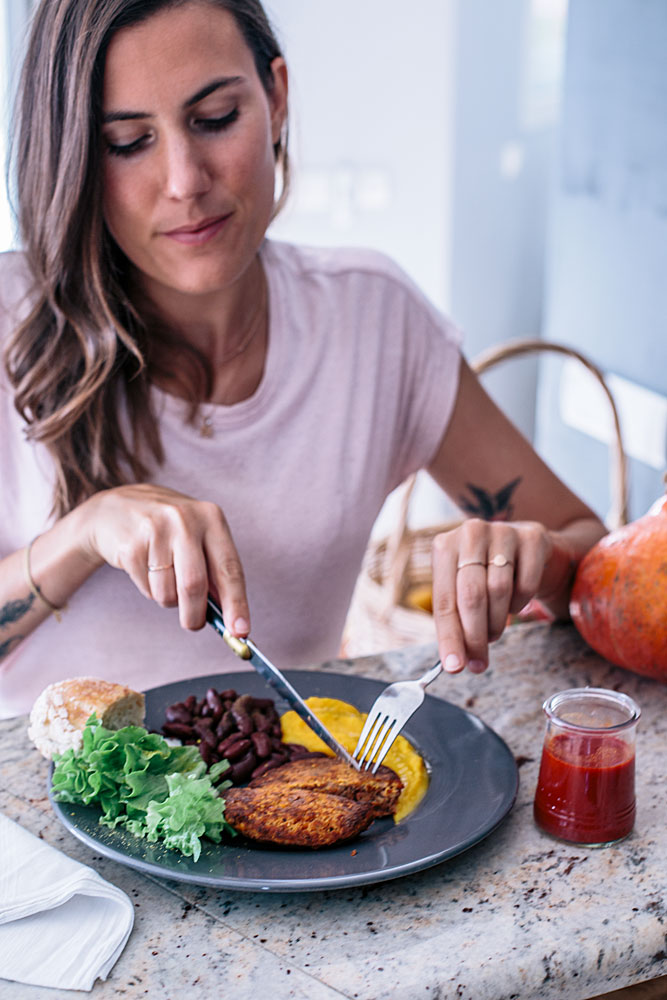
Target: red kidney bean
{"points": [[222, 731], [237, 750], [267, 765], [229, 695], [228, 742], [178, 730], [260, 721], [244, 702], [199, 725], [190, 702], [242, 769], [263, 704], [208, 736], [242, 720], [213, 699], [227, 718], [262, 744], [178, 713], [207, 753]]}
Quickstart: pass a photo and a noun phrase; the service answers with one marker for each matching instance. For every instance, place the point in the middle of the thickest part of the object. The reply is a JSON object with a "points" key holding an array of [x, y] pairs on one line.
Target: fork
{"points": [[390, 711]]}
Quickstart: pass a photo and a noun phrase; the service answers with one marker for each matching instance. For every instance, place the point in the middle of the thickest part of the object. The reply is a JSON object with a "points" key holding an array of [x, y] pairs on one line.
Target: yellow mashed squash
{"points": [[345, 722]]}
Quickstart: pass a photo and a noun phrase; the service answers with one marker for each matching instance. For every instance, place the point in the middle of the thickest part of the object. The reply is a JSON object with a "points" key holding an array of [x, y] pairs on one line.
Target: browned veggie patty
{"points": [[327, 774], [311, 803], [295, 817]]}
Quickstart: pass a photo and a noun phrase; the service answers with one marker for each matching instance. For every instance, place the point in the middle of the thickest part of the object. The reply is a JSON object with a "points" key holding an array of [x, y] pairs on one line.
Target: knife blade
{"points": [[246, 649]]}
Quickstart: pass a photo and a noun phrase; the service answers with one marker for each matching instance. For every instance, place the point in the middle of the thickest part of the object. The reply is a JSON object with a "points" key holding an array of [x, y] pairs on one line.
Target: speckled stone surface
{"points": [[517, 916]]}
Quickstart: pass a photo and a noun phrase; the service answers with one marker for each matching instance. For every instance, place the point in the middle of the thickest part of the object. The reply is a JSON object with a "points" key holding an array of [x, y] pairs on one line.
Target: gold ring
{"points": [[158, 569], [500, 561], [471, 562]]}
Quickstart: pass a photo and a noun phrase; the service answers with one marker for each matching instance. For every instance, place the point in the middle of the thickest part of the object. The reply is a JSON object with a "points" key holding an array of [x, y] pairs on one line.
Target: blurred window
{"points": [[14, 16], [5, 219]]}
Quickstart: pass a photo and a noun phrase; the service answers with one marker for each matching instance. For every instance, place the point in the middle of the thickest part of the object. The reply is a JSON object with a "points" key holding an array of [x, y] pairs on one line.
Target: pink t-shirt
{"points": [[359, 384]]}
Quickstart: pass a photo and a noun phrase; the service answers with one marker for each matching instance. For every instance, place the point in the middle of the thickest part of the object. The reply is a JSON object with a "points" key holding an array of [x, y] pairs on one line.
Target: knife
{"points": [[246, 649]]}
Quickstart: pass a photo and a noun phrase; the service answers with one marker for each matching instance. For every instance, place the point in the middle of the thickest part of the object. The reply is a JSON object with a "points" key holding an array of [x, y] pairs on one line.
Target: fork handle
{"points": [[430, 675]]}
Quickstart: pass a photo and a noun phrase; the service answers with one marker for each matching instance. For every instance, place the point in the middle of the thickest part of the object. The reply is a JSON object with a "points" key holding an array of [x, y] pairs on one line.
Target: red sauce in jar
{"points": [[586, 788]]}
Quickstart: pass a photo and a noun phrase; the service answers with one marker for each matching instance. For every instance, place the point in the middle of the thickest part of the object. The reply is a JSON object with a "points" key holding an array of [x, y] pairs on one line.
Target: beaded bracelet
{"points": [[34, 589]]}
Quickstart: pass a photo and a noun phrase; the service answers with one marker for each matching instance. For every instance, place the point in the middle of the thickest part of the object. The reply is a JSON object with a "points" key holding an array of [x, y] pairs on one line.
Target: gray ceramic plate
{"points": [[473, 785]]}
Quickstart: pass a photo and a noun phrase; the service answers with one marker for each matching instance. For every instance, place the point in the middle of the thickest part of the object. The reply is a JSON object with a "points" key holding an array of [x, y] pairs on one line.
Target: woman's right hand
{"points": [[174, 548]]}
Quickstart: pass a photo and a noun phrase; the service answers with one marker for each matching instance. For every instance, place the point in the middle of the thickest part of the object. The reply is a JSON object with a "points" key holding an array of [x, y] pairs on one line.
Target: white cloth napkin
{"points": [[61, 924]]}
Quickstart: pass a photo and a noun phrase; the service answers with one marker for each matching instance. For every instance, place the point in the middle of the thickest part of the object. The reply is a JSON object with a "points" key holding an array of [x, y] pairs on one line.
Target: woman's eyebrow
{"points": [[223, 81]]}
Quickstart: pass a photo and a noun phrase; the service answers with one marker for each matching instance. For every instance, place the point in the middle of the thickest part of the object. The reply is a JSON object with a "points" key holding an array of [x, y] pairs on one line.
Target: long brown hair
{"points": [[87, 347]]}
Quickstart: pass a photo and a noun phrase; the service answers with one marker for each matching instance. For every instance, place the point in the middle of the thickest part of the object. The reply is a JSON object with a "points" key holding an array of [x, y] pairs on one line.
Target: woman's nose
{"points": [[186, 173]]}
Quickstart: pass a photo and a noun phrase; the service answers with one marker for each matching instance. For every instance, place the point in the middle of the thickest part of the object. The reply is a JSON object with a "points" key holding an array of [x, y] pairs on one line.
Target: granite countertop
{"points": [[517, 916]]}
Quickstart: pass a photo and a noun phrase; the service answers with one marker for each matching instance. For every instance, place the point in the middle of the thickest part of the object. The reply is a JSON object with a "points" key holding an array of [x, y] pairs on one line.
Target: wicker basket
{"points": [[378, 618]]}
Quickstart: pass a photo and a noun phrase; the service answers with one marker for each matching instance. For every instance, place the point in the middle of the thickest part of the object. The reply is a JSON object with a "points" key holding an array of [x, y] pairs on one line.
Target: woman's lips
{"points": [[199, 233]]}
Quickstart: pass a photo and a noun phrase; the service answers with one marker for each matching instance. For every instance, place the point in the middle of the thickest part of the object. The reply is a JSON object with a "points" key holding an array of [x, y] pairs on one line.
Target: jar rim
{"points": [[552, 705]]}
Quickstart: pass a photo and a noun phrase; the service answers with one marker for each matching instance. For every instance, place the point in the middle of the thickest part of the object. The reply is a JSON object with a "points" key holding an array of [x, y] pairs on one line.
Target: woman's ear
{"points": [[278, 97]]}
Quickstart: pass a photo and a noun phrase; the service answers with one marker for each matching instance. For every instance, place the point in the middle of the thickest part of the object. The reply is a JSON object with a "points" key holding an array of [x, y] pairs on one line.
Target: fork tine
{"points": [[388, 744], [366, 753], [371, 723], [388, 722]]}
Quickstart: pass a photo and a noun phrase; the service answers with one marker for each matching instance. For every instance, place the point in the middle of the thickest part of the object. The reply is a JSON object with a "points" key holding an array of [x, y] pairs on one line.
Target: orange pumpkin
{"points": [[619, 598]]}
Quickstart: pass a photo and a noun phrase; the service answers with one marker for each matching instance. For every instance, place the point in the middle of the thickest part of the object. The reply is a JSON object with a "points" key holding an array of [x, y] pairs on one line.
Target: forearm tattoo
{"points": [[490, 506], [13, 611], [6, 647], [10, 613]]}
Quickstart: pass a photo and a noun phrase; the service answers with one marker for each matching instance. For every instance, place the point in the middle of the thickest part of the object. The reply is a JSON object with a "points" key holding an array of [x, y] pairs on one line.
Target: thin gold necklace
{"points": [[206, 428]]}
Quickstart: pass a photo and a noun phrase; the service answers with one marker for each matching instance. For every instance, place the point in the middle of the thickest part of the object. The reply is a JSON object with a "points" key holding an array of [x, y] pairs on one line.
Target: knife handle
{"points": [[214, 617], [237, 646]]}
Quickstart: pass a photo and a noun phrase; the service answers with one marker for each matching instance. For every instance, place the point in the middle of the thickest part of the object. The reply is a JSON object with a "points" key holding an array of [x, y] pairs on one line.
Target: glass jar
{"points": [[586, 786]]}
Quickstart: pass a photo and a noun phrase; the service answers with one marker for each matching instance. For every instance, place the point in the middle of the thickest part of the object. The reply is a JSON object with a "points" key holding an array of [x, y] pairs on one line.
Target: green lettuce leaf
{"points": [[157, 791]]}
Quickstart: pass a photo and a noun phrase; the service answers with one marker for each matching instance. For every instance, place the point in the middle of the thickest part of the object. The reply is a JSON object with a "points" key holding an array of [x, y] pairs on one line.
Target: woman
{"points": [[190, 407]]}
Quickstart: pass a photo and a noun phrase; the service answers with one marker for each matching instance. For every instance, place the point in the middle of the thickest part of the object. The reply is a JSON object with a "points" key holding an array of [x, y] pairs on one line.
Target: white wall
{"points": [[371, 98]]}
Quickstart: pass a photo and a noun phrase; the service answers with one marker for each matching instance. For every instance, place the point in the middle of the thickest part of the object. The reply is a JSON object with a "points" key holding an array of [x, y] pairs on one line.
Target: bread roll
{"points": [[60, 713]]}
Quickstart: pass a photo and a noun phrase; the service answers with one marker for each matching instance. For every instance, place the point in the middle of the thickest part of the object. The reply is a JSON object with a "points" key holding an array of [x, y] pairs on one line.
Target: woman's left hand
{"points": [[524, 539], [482, 572]]}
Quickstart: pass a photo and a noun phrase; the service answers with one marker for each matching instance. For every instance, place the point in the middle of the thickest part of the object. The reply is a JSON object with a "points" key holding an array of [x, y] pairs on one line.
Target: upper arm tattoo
{"points": [[13, 611], [490, 506]]}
